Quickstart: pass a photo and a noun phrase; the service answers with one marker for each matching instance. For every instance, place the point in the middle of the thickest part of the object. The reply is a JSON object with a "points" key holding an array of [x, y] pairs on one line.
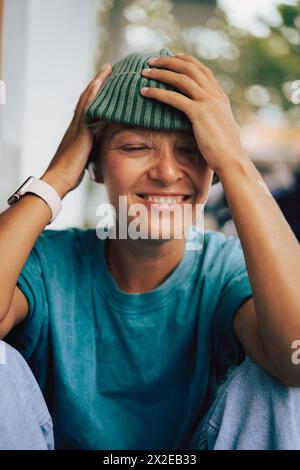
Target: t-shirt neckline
{"points": [[148, 301]]}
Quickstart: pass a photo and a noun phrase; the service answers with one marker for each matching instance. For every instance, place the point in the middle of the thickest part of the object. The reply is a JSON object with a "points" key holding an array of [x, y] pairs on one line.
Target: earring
{"points": [[91, 170]]}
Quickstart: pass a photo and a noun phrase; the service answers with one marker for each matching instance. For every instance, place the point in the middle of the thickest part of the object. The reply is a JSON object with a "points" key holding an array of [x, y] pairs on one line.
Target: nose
{"points": [[166, 168]]}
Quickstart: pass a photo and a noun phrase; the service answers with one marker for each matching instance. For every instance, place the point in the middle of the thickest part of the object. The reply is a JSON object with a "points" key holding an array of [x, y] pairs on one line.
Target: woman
{"points": [[130, 339]]}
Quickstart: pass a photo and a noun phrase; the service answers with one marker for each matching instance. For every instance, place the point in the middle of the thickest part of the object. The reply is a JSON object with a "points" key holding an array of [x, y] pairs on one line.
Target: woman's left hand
{"points": [[204, 103]]}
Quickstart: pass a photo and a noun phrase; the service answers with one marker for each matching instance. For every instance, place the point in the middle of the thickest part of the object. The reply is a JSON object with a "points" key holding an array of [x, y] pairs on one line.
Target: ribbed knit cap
{"points": [[120, 100]]}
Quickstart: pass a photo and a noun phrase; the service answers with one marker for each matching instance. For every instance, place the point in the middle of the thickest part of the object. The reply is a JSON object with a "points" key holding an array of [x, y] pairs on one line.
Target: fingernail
{"points": [[106, 66], [154, 59], [144, 89]]}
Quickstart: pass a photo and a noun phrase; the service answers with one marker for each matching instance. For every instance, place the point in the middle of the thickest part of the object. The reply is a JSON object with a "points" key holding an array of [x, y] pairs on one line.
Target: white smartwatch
{"points": [[41, 189]]}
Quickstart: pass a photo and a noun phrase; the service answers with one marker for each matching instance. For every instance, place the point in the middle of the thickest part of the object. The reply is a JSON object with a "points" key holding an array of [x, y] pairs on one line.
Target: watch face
{"points": [[16, 195], [23, 184]]}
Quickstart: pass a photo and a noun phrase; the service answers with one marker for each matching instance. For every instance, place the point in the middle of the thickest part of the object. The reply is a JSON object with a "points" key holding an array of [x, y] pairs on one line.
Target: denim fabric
{"points": [[25, 423], [252, 411]]}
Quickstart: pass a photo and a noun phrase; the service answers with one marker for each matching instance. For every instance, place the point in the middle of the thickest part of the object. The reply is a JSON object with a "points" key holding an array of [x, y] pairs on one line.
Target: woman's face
{"points": [[157, 169]]}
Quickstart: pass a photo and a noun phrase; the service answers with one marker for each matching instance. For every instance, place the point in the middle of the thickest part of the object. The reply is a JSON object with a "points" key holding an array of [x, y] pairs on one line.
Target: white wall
{"points": [[49, 53]]}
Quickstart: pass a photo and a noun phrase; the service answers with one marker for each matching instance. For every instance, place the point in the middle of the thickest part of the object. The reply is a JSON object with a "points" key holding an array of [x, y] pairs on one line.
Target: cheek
{"points": [[201, 178], [121, 175]]}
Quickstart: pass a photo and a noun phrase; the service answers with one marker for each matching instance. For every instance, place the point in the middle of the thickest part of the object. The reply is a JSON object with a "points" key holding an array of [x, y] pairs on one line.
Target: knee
{"points": [[25, 422], [14, 370], [253, 410], [253, 382]]}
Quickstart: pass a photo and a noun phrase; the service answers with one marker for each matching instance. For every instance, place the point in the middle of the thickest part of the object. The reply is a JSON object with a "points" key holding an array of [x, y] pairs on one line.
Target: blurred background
{"points": [[49, 50]]}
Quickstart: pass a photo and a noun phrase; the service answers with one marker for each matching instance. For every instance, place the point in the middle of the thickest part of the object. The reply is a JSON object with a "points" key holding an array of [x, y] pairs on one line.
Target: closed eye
{"points": [[132, 149], [190, 151]]}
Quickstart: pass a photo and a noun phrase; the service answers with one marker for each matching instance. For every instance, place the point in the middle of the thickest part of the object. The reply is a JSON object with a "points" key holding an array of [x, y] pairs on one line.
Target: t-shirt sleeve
{"points": [[235, 290], [25, 336]]}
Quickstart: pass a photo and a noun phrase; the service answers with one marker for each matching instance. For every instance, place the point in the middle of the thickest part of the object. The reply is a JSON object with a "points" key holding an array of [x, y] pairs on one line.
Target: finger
{"points": [[84, 104], [96, 82], [180, 81], [99, 77], [187, 68], [78, 123], [205, 70], [172, 98], [93, 90], [105, 70]]}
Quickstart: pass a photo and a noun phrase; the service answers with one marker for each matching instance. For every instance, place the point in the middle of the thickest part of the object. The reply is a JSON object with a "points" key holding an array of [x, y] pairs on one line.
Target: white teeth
{"points": [[164, 200]]}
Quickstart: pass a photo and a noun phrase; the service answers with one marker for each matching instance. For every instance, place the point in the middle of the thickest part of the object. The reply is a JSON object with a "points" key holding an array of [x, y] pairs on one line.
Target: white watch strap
{"points": [[46, 192]]}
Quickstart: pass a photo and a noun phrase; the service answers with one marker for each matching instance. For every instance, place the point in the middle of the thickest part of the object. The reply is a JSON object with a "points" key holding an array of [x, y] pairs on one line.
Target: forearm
{"points": [[272, 255], [20, 226]]}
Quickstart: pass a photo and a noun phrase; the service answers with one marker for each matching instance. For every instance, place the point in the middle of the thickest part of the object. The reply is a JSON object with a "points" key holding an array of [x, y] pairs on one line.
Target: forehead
{"points": [[117, 130]]}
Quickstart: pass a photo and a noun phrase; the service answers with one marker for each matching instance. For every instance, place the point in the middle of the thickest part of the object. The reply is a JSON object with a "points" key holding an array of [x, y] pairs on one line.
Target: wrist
{"points": [[236, 167], [57, 183]]}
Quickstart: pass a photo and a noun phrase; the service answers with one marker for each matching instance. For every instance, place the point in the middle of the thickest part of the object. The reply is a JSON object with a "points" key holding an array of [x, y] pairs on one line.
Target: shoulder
{"points": [[62, 243], [62, 251], [65, 236]]}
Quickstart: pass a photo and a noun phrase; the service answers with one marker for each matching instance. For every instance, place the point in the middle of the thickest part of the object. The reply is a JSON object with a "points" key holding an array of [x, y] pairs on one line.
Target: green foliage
{"points": [[289, 14], [270, 62]]}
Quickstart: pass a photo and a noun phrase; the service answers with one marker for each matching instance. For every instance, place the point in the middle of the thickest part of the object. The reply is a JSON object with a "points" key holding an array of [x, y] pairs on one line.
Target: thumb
{"points": [[95, 87]]}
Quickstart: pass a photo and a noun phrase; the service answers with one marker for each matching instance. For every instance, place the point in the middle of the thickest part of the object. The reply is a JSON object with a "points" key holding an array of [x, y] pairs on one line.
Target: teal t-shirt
{"points": [[121, 370]]}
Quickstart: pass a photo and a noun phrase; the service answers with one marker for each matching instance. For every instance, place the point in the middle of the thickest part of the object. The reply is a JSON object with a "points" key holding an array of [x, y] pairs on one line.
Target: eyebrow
{"points": [[186, 139], [120, 131]]}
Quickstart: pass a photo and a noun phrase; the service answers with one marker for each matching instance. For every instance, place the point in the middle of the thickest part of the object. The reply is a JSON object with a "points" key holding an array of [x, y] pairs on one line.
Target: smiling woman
{"points": [[147, 327]]}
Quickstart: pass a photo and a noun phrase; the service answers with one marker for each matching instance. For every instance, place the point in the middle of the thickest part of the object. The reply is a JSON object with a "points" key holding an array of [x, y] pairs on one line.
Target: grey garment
{"points": [[25, 422], [252, 411]]}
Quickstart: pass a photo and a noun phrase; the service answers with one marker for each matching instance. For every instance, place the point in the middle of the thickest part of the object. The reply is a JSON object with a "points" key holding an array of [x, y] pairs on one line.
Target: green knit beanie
{"points": [[120, 100]]}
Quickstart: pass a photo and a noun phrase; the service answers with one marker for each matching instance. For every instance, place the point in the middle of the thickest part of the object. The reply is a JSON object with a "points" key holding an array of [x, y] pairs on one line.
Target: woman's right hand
{"points": [[66, 169]]}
